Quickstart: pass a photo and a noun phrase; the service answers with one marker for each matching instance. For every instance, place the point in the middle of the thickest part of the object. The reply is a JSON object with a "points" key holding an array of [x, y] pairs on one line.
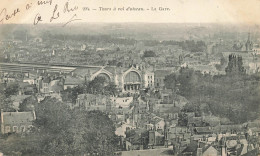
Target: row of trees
{"points": [[92, 38], [189, 45], [59, 130]]}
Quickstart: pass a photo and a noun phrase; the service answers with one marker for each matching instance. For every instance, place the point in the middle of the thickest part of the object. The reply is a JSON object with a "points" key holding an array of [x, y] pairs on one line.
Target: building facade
{"points": [[126, 79], [16, 122]]}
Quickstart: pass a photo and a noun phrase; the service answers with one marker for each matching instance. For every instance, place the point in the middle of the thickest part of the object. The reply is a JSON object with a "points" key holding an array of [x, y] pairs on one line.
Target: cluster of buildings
{"points": [[146, 114]]}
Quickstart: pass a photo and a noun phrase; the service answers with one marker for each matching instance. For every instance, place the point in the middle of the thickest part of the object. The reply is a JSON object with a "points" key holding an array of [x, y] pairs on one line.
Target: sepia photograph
{"points": [[130, 78]]}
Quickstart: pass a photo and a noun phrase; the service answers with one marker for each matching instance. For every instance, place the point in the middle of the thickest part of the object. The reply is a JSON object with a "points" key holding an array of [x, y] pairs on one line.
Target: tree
{"points": [[234, 96], [93, 133], [183, 119], [52, 120], [14, 144], [73, 132], [28, 104], [5, 102], [149, 53], [111, 89], [71, 94], [235, 66], [12, 88], [97, 85], [170, 81]]}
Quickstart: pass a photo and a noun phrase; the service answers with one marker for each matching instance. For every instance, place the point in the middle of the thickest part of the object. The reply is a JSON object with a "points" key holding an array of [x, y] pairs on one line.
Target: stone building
{"points": [[16, 122], [126, 79]]}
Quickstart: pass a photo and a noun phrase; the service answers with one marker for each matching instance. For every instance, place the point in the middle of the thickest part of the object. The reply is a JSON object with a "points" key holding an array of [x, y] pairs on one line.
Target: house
{"points": [[179, 134], [203, 130], [45, 85], [196, 148], [159, 123], [232, 129], [168, 111], [55, 86], [16, 122], [71, 82], [136, 139], [155, 138], [26, 88], [121, 129], [123, 102], [191, 149], [149, 79], [208, 151], [29, 80], [94, 102]]}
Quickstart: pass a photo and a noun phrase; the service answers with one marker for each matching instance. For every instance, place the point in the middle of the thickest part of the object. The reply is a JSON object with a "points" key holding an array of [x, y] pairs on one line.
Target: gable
{"points": [[211, 151]]}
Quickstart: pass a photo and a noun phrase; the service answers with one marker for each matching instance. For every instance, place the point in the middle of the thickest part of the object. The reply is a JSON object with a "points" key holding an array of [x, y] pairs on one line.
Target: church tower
{"points": [[249, 43]]}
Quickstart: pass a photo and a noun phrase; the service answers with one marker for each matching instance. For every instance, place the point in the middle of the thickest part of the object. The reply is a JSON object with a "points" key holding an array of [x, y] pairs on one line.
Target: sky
{"points": [[179, 11]]}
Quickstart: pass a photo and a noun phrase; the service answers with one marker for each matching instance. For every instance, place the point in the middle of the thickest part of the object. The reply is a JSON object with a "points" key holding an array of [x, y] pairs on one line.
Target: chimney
{"points": [[224, 150], [199, 151], [33, 113]]}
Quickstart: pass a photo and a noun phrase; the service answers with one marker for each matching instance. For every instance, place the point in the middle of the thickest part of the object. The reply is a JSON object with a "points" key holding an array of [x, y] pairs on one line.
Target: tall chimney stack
{"points": [[2, 121]]}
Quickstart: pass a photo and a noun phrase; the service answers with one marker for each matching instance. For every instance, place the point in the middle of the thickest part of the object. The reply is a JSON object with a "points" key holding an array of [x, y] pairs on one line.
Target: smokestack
{"points": [[2, 121], [2, 116], [224, 150]]}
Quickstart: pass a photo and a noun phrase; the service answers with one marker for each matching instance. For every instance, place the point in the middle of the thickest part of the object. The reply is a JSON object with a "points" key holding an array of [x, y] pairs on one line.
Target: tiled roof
{"points": [[73, 81], [86, 70], [46, 80], [162, 73], [191, 148], [222, 128], [55, 86], [17, 117], [203, 130], [171, 109], [23, 84], [205, 148]]}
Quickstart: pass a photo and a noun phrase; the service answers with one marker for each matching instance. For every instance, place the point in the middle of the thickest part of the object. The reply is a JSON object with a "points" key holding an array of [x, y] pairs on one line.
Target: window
{"points": [[15, 129], [30, 127], [22, 129], [7, 129]]}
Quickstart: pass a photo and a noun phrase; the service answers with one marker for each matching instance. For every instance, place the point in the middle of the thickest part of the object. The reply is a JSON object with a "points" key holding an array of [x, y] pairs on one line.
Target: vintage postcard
{"points": [[129, 77]]}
